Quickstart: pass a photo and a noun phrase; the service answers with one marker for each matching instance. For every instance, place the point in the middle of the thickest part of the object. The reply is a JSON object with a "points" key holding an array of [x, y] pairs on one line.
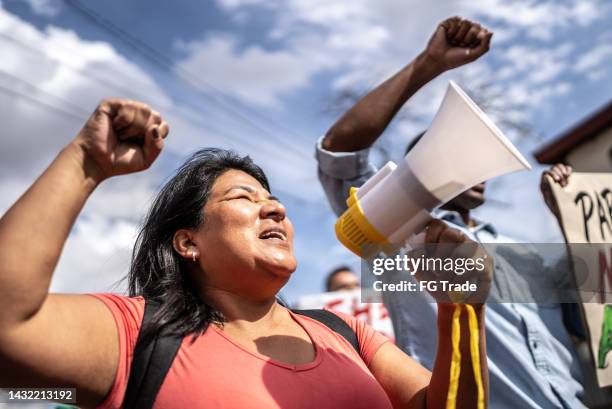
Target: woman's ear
{"points": [[184, 245]]}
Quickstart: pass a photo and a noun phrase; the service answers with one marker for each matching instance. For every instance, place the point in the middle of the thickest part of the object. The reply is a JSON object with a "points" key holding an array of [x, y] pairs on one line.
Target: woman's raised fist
{"points": [[121, 136]]}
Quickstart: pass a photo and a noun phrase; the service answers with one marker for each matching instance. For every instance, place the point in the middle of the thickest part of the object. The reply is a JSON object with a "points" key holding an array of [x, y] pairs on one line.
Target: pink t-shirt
{"points": [[216, 372]]}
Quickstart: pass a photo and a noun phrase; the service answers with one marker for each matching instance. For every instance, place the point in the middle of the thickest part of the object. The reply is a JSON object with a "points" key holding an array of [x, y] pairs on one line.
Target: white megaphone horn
{"points": [[461, 148]]}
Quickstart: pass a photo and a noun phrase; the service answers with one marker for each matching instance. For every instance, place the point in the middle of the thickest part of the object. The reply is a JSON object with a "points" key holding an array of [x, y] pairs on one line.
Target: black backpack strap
{"points": [[150, 364], [335, 323]]}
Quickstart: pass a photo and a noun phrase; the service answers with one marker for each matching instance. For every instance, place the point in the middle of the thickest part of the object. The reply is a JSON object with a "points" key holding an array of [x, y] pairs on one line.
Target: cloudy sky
{"points": [[264, 77]]}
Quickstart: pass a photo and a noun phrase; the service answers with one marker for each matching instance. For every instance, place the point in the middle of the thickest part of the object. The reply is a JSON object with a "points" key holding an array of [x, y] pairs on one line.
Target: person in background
{"points": [[341, 278], [532, 360]]}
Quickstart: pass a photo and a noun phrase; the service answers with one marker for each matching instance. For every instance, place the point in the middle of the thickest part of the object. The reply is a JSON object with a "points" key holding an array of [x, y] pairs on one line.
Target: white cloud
{"points": [[233, 4], [540, 19], [54, 69], [364, 44], [594, 58], [57, 69], [96, 256], [254, 74], [46, 8], [536, 64]]}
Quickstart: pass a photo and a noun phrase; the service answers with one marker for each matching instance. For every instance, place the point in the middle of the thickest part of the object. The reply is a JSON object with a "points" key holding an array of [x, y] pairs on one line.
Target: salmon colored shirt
{"points": [[217, 372]]}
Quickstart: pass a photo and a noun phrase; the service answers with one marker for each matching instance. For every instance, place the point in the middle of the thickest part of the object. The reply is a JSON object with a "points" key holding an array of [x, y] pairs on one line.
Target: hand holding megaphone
{"points": [[461, 148], [468, 281]]}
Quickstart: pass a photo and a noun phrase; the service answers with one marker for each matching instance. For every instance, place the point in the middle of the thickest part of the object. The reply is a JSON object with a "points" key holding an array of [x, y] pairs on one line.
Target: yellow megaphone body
{"points": [[461, 148]]}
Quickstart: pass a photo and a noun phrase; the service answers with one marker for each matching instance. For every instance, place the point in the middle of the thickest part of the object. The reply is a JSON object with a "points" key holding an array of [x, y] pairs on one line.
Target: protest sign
{"points": [[585, 215]]}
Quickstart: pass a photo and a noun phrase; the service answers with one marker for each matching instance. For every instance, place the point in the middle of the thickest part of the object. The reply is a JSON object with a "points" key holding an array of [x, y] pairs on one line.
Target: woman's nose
{"points": [[273, 209]]}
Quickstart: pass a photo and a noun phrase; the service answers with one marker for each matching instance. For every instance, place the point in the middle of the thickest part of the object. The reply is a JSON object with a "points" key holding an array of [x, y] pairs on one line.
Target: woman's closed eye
{"points": [[242, 196]]}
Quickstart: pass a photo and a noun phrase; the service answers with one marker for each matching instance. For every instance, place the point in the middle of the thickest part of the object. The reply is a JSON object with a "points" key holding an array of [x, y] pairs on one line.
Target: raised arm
{"points": [[55, 340], [455, 42]]}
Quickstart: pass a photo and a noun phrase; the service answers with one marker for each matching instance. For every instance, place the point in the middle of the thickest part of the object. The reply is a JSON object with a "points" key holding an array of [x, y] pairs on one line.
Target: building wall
{"points": [[594, 155]]}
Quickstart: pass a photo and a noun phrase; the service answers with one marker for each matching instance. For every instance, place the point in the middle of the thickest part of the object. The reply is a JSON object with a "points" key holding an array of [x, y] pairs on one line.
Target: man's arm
{"points": [[456, 42], [408, 384]]}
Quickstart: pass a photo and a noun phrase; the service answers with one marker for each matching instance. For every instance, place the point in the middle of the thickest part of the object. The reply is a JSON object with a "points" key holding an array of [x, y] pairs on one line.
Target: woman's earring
{"points": [[193, 256]]}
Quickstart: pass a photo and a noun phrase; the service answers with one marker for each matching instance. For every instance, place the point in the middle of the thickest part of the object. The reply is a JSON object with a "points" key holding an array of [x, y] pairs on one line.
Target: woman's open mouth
{"points": [[274, 235]]}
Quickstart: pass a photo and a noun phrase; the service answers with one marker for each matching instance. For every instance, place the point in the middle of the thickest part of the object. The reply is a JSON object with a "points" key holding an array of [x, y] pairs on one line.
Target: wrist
{"points": [[428, 65], [91, 172]]}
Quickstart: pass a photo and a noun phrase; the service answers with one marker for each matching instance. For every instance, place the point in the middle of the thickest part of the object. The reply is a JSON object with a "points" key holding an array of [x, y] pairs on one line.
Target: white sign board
{"points": [[349, 302], [585, 209]]}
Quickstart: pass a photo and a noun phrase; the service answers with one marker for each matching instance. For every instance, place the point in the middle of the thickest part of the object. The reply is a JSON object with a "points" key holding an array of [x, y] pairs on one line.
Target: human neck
{"points": [[465, 216], [239, 310], [463, 213]]}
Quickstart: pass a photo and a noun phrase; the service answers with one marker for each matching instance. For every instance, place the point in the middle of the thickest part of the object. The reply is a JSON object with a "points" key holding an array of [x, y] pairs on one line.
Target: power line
{"points": [[87, 74], [42, 91], [167, 64], [78, 117], [90, 75], [40, 103]]}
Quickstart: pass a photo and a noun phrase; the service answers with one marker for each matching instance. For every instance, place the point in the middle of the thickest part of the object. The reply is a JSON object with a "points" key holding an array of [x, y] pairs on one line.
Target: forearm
{"points": [[34, 230], [467, 392], [361, 126]]}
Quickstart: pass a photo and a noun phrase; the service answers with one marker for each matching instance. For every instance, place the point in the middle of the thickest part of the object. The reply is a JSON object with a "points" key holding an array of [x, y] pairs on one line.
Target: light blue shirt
{"points": [[532, 361]]}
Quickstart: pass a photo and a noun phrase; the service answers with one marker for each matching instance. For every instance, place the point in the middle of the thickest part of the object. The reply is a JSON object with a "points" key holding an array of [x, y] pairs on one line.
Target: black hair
{"points": [[157, 271], [331, 274], [413, 142]]}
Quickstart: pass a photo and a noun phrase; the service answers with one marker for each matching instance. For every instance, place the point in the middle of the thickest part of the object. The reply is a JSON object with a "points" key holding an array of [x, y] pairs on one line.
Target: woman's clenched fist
{"points": [[121, 136]]}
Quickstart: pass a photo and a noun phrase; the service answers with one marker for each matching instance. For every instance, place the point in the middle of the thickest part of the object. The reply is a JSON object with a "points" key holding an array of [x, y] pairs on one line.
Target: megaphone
{"points": [[461, 148]]}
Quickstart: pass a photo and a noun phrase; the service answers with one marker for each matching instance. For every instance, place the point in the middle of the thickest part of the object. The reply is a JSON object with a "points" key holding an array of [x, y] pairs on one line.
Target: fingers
{"points": [[483, 43], [154, 142], [566, 171], [440, 232], [471, 36], [560, 173], [109, 106], [449, 242], [137, 133], [441, 240], [132, 119], [163, 129], [464, 33], [457, 42], [459, 37], [434, 230], [451, 26], [124, 117]]}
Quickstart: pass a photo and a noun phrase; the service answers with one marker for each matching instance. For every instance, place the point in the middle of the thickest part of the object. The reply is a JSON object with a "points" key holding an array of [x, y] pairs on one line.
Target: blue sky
{"points": [[261, 77]]}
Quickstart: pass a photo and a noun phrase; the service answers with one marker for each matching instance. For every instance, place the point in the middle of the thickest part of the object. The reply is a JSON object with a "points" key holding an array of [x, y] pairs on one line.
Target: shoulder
{"points": [[128, 313], [127, 310], [369, 339]]}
